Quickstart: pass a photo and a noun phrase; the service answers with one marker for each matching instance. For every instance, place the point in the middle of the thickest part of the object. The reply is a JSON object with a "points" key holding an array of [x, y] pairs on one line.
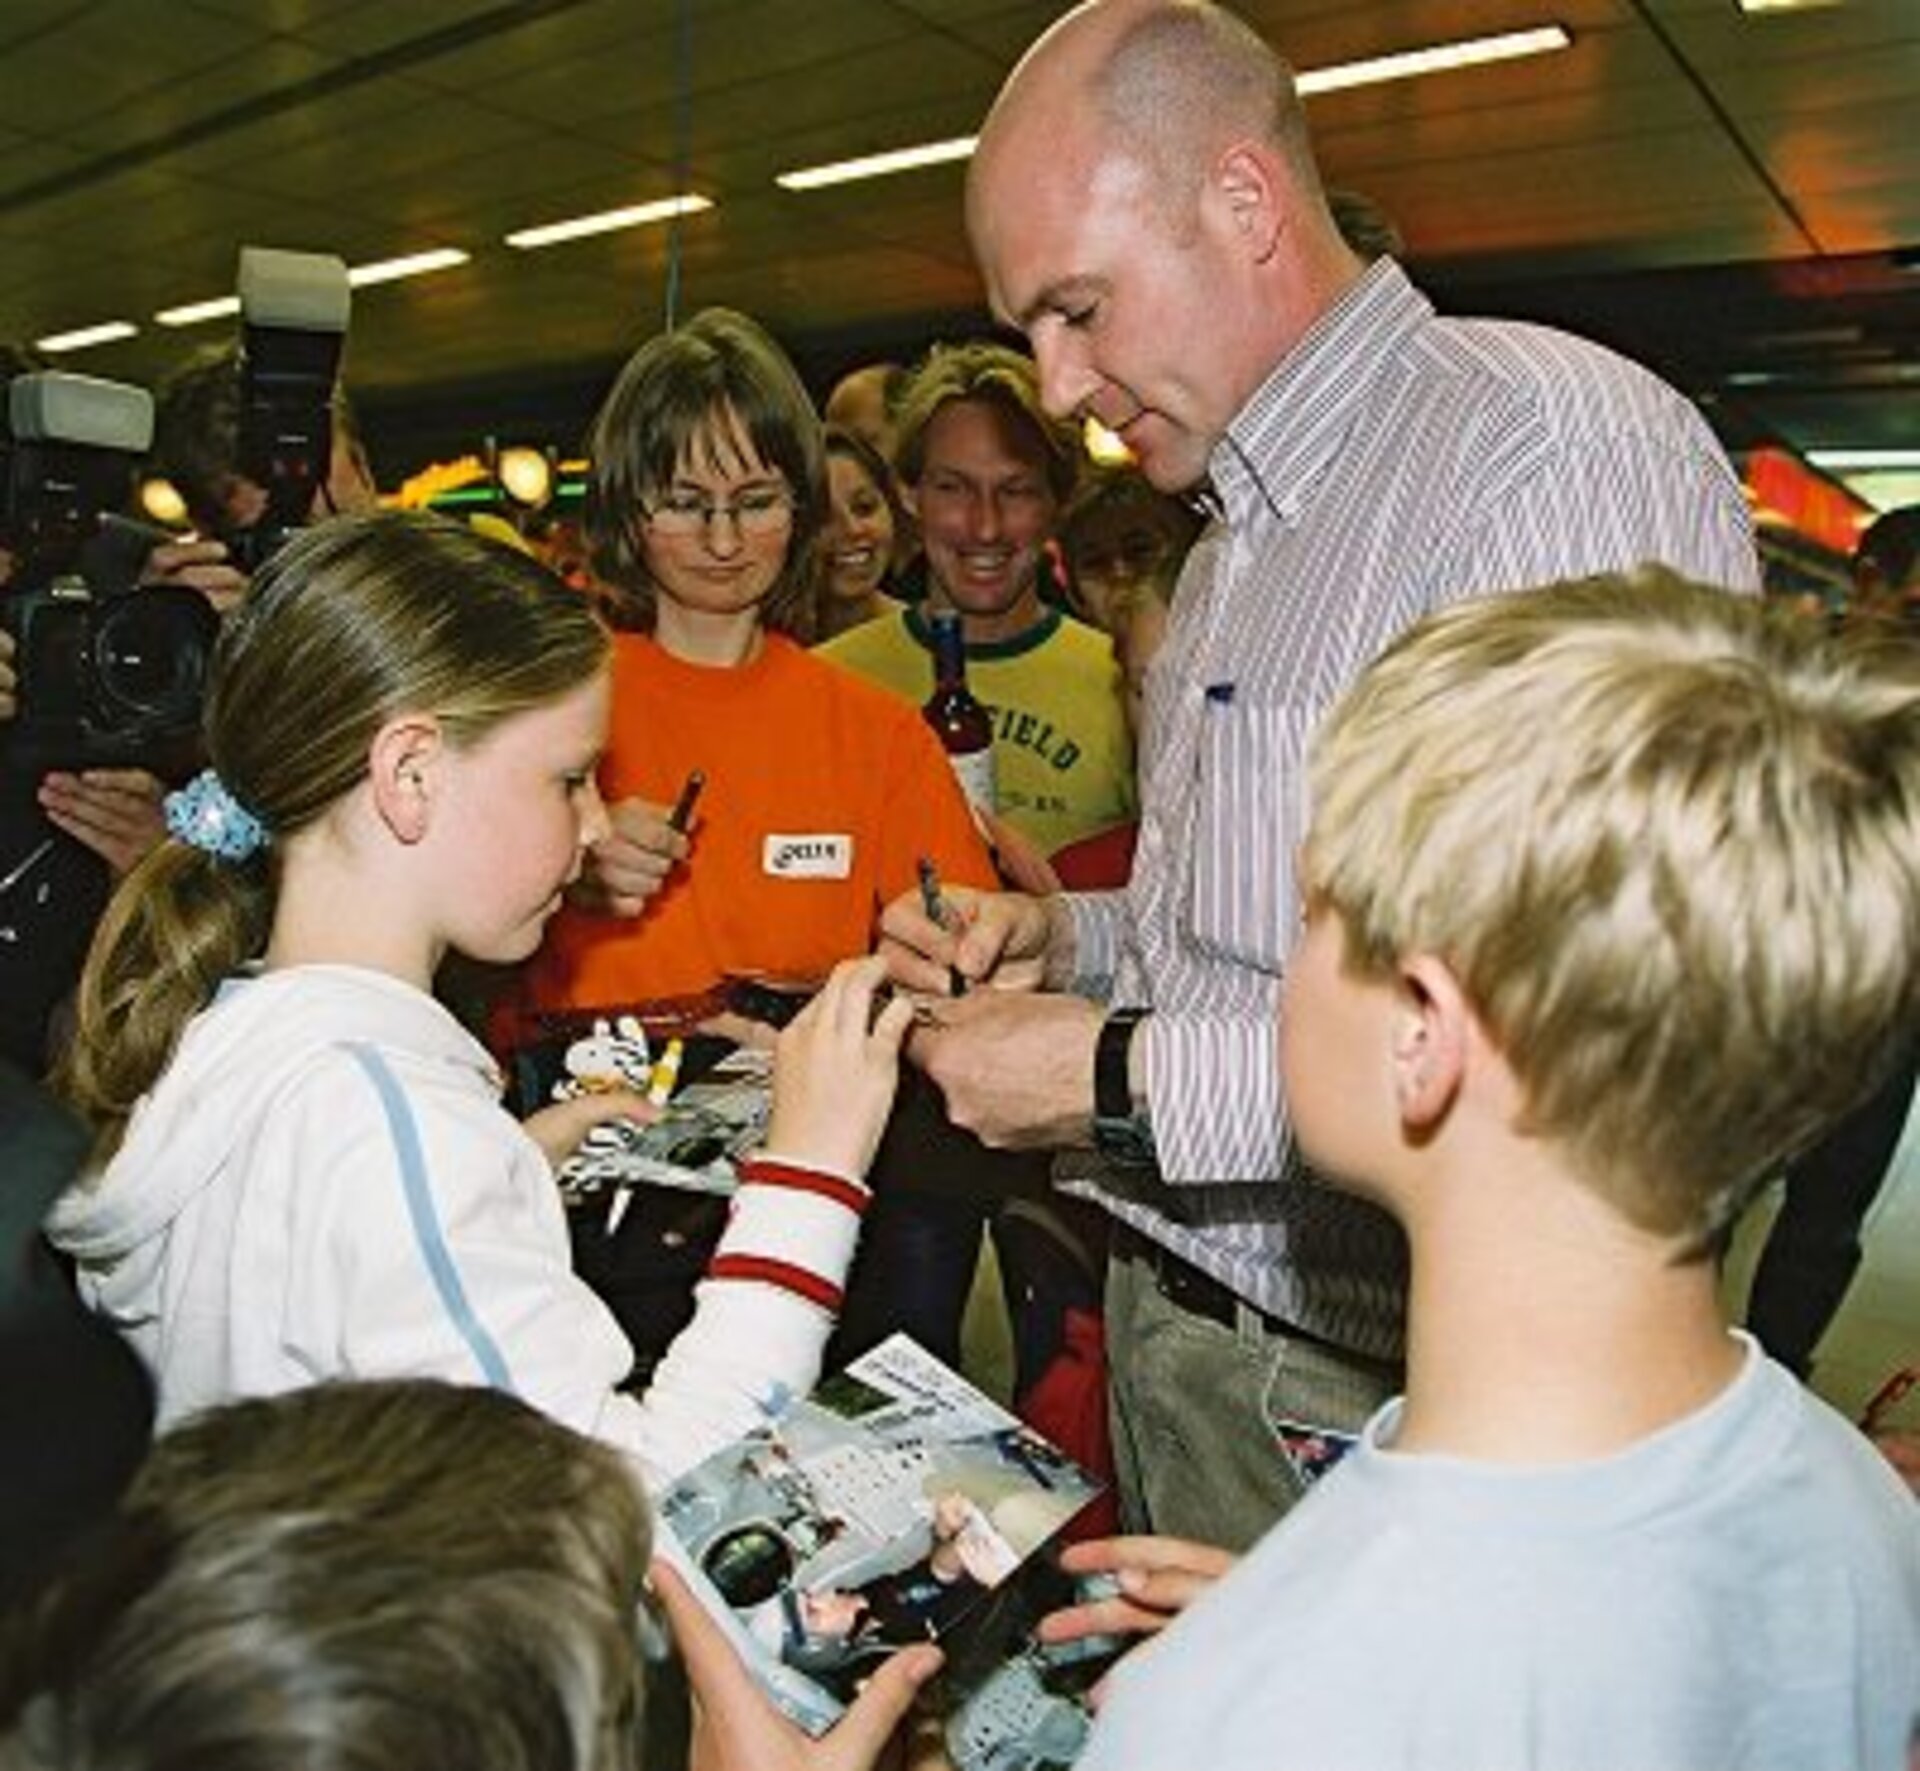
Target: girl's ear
{"points": [[1430, 1041], [403, 765]]}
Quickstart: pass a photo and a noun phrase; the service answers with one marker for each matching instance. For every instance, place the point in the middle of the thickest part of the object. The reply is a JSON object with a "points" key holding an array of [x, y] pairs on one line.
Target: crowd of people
{"points": [[1430, 895]]}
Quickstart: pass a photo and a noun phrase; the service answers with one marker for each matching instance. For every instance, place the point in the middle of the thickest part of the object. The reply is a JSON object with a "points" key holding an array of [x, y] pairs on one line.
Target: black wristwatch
{"points": [[1119, 1131]]}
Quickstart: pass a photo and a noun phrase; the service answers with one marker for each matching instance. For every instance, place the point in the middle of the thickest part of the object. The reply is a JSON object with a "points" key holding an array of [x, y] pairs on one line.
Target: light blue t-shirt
{"points": [[1740, 1592]]}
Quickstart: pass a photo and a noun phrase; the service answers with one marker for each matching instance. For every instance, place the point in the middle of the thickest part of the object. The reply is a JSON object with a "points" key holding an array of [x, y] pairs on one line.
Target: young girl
{"points": [[307, 1170]]}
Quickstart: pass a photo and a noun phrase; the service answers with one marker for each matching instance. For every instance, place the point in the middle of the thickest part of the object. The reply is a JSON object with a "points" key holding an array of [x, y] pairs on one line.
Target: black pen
{"points": [[682, 814], [940, 913]]}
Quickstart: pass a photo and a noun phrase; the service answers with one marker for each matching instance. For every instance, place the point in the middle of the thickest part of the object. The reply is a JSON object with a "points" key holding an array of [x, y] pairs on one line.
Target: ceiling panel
{"points": [[1683, 181]]}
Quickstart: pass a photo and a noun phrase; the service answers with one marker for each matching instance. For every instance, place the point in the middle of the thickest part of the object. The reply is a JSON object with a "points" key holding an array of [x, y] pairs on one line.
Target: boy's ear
{"points": [[403, 765], [1431, 1032]]}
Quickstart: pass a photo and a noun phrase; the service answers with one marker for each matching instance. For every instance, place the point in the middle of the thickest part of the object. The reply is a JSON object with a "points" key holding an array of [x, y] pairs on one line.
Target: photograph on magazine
{"points": [[896, 1504]]}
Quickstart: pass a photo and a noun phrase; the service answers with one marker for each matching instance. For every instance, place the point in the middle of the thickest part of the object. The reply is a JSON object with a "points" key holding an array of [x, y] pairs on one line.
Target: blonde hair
{"points": [[987, 375], [355, 620], [1669, 841], [403, 1573]]}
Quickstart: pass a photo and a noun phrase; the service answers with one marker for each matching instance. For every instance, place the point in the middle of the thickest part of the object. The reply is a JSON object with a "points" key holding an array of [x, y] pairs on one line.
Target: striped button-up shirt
{"points": [[1392, 463]]}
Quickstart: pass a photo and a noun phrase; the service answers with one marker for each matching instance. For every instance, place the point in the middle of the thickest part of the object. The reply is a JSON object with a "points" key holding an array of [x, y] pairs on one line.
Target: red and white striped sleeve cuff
{"points": [[792, 1227]]}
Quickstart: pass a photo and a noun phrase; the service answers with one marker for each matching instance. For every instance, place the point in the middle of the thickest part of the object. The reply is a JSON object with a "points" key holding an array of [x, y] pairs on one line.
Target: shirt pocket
{"points": [[1251, 818]]}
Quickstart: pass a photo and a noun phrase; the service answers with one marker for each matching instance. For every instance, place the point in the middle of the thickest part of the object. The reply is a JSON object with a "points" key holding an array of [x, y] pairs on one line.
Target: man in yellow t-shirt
{"points": [[986, 472]]}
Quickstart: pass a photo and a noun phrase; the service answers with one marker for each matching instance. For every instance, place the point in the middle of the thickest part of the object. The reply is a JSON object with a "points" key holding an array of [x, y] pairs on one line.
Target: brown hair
{"points": [[366, 1575], [356, 619], [991, 375], [678, 397]]}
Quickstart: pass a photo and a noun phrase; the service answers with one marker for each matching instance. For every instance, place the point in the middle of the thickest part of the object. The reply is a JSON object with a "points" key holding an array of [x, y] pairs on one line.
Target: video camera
{"points": [[108, 672], [293, 308]]}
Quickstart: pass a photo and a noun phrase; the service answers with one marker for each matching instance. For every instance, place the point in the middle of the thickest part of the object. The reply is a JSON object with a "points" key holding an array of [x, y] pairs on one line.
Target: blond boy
{"points": [[1611, 885]]}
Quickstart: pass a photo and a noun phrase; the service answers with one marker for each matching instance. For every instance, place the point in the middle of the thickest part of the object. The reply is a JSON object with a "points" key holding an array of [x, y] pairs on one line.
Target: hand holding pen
{"points": [[940, 913], [648, 840]]}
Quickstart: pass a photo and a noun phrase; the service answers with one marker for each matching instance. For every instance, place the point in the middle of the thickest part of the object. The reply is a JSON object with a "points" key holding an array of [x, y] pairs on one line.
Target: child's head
{"points": [[356, 621], [404, 1573], [1668, 842], [707, 410]]}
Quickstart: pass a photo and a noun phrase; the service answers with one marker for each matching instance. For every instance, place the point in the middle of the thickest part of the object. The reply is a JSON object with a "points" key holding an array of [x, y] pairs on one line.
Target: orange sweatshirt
{"points": [[822, 791]]}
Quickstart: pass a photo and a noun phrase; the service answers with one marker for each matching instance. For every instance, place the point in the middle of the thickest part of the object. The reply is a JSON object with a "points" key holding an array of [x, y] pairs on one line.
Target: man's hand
{"points": [[736, 1727], [836, 1066], [559, 1128], [1016, 1068], [9, 683], [1005, 940], [625, 869], [1159, 1577], [196, 564], [114, 812]]}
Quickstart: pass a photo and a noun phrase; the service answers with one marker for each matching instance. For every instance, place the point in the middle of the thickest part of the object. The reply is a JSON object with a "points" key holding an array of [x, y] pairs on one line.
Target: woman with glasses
{"points": [[705, 509]]}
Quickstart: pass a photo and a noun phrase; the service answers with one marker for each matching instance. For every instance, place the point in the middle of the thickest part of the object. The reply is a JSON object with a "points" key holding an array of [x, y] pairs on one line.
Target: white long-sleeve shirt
{"points": [[323, 1184]]}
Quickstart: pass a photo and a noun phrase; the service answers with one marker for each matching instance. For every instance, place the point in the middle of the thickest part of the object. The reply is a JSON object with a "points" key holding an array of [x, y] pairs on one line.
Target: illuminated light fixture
{"points": [[933, 153], [1104, 448], [1865, 460], [196, 311], [109, 333], [525, 475], [160, 499], [1408, 64], [1752, 6], [608, 221], [1437, 58], [416, 264]]}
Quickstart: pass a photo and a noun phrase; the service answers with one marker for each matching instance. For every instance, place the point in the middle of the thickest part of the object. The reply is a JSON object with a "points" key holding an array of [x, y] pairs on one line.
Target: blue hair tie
{"points": [[205, 815]]}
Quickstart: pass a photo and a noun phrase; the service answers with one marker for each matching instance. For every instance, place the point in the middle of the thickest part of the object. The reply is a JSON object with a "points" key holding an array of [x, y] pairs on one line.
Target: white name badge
{"points": [[807, 857]]}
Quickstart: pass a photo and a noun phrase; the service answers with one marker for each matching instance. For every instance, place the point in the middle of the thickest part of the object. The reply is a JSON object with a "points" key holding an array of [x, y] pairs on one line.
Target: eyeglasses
{"points": [[759, 510]]}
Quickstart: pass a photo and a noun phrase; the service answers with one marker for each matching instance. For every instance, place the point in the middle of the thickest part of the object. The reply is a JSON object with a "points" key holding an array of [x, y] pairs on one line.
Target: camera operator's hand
{"points": [[200, 565], [9, 704], [114, 812]]}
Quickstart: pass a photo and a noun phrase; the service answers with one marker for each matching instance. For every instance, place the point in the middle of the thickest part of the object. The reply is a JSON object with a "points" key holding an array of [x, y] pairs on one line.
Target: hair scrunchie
{"points": [[205, 815]]}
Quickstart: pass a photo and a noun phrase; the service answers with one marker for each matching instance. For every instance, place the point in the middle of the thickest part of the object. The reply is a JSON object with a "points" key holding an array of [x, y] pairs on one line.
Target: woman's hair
{"points": [[355, 621], [354, 1577], [871, 462], [688, 396]]}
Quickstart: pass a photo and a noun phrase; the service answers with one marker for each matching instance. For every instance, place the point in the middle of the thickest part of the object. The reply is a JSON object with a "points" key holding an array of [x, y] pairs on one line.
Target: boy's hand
{"points": [[1000, 939], [114, 812], [736, 1727], [1159, 1577], [558, 1129], [836, 1066], [625, 869]]}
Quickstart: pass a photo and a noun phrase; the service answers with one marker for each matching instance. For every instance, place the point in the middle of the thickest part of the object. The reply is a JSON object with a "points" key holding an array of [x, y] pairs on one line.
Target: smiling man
{"points": [[986, 472]]}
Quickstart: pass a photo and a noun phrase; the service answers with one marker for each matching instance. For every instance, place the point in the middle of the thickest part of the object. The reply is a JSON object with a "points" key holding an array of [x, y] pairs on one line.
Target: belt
{"points": [[1181, 1282]]}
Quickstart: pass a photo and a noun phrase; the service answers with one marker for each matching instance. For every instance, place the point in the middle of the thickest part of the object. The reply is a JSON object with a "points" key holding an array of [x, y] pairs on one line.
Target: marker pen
{"points": [[941, 912], [682, 814], [666, 1072]]}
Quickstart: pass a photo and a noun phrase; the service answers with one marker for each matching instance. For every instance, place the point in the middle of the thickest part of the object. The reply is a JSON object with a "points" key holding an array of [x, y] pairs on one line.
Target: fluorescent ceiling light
{"points": [[109, 333], [1407, 65], [1469, 52], [196, 311], [933, 153], [417, 264], [1865, 460], [637, 215], [1783, 5]]}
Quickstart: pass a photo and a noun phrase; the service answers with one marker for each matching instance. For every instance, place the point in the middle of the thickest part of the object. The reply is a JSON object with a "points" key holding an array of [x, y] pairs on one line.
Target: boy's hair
{"points": [[668, 407], [355, 620], [196, 430], [386, 1574], [990, 375], [1668, 839]]}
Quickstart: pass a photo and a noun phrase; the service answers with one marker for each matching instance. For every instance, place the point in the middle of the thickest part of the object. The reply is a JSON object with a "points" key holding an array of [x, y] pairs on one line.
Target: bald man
{"points": [[1145, 207]]}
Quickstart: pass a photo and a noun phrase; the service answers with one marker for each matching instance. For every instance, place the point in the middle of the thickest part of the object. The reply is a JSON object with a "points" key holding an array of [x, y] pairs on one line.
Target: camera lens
{"points": [[150, 655]]}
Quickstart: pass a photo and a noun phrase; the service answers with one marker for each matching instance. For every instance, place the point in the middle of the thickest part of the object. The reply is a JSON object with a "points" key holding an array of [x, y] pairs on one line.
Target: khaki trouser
{"points": [[1198, 1410]]}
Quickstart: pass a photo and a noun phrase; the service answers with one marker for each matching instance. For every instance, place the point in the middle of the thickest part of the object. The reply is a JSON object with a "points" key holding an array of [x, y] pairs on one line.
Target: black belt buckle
{"points": [[1181, 1282]]}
